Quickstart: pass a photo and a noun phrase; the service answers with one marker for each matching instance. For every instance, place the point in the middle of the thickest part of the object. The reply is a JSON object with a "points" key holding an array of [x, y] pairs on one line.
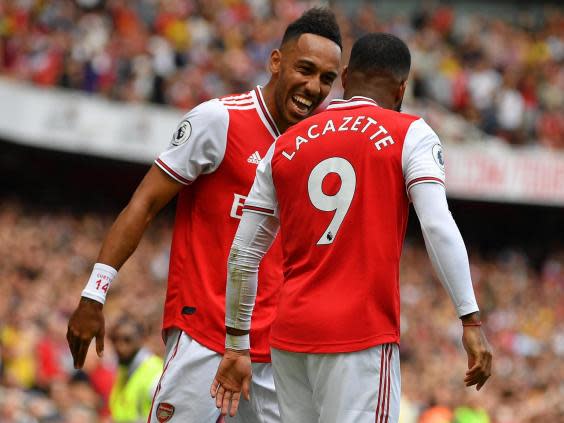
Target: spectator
{"points": [[138, 372], [181, 53], [38, 247]]}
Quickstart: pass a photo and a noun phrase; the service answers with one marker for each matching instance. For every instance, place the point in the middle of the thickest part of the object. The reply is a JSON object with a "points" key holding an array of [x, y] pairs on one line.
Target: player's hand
{"points": [[86, 322], [233, 377], [479, 356]]}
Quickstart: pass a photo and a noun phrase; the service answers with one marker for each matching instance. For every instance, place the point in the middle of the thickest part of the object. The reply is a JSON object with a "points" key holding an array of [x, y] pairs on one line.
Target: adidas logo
{"points": [[254, 158]]}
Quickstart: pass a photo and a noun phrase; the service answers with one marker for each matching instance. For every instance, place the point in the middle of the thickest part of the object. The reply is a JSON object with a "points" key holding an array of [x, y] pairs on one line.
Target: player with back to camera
{"points": [[211, 163], [338, 186]]}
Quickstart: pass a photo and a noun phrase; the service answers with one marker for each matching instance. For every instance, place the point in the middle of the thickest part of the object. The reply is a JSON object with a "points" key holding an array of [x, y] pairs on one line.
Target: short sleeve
{"points": [[422, 157], [198, 144], [262, 198]]}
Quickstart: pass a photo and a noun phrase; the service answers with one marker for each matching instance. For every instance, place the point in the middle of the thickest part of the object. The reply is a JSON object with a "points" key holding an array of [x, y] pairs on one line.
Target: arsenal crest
{"points": [[164, 412]]}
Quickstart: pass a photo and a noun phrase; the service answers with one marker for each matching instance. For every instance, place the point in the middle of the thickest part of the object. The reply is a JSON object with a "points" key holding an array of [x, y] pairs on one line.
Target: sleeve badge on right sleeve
{"points": [[182, 133], [438, 155]]}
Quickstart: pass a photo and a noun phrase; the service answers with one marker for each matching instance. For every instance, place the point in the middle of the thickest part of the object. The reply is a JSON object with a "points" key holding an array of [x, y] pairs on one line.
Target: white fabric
{"points": [[238, 342], [202, 150], [419, 155], [510, 109], [444, 245], [187, 376], [253, 238], [263, 193], [338, 388], [99, 282]]}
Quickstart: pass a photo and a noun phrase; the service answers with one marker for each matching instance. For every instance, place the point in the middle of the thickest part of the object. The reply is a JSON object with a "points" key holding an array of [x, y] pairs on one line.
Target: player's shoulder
{"points": [[212, 109], [209, 117], [419, 128], [242, 101], [411, 125], [401, 118]]}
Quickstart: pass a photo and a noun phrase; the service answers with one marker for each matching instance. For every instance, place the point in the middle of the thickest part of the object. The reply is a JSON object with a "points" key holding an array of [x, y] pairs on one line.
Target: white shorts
{"points": [[357, 387], [183, 392]]}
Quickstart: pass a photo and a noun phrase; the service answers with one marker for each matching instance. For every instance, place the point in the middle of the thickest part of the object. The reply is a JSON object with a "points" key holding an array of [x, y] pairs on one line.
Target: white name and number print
{"points": [[339, 202]]}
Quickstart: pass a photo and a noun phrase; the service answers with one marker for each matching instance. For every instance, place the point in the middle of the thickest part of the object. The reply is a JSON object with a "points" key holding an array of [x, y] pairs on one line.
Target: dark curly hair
{"points": [[381, 53], [319, 21]]}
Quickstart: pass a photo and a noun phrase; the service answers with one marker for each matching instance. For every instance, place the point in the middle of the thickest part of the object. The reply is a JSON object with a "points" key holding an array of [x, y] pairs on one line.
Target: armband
{"points": [[237, 342], [99, 283], [472, 324]]}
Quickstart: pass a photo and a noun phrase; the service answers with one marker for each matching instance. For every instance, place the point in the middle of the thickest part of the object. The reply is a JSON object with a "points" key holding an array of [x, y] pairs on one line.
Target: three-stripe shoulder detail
{"points": [[239, 102]]}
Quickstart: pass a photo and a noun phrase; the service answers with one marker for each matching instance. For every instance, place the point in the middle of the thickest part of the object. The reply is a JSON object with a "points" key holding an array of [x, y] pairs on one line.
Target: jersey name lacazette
{"points": [[378, 133]]}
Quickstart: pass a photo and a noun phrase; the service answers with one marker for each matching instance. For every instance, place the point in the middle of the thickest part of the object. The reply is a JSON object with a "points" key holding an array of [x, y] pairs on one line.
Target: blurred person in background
{"points": [[138, 372], [181, 53], [211, 163]]}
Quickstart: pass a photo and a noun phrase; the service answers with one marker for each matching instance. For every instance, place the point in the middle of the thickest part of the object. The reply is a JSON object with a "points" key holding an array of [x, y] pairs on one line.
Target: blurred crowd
{"points": [[502, 73], [46, 258]]}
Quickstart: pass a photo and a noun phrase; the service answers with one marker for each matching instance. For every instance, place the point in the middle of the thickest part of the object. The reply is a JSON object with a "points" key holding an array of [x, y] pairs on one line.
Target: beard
{"points": [[126, 361]]}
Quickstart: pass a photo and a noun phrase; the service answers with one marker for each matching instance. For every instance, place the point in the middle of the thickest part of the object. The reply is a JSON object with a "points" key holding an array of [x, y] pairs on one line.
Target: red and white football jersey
{"points": [[215, 150], [339, 183]]}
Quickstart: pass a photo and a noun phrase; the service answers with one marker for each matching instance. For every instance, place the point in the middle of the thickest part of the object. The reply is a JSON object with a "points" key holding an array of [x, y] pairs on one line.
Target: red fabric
{"points": [[49, 365], [203, 233], [102, 379], [343, 296]]}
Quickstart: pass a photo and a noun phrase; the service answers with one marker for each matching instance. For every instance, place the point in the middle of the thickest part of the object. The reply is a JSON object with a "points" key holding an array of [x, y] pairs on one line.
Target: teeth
{"points": [[302, 100]]}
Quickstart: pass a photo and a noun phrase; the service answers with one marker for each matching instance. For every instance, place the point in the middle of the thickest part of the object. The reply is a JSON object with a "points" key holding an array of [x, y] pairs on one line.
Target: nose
{"points": [[313, 86]]}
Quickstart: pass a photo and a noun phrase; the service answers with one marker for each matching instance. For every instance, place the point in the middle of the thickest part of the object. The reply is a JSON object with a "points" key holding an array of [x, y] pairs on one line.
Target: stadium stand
{"points": [[47, 254], [503, 75], [507, 81]]}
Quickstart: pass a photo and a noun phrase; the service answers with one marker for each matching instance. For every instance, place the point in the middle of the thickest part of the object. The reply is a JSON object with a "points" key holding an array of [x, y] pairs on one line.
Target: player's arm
{"points": [[197, 147], [155, 191], [255, 234], [450, 261], [424, 173]]}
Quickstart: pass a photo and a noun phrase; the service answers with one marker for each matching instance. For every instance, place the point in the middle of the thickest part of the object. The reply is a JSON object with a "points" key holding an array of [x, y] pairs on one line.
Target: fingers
{"points": [[74, 345], [222, 399], [234, 403], [246, 389], [479, 373], [226, 400], [81, 353], [100, 344], [70, 341], [214, 387], [479, 357], [225, 403], [220, 391]]}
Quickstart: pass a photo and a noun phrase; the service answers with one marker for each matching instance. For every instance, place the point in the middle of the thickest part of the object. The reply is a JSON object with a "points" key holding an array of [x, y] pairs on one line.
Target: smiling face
{"points": [[305, 69]]}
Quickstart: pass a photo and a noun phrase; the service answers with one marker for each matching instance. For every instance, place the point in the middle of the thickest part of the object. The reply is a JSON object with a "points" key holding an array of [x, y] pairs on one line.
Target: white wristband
{"points": [[99, 283], [237, 342]]}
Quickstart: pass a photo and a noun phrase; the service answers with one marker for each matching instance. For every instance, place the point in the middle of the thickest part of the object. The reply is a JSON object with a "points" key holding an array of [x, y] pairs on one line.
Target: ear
{"points": [[401, 92], [344, 77], [275, 61]]}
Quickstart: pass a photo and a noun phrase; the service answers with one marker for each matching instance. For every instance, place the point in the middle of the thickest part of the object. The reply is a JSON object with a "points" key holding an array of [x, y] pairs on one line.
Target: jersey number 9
{"points": [[340, 201]]}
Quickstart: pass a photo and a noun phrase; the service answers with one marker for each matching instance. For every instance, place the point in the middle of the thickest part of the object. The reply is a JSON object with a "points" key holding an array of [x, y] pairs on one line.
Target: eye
{"points": [[328, 79], [304, 70]]}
